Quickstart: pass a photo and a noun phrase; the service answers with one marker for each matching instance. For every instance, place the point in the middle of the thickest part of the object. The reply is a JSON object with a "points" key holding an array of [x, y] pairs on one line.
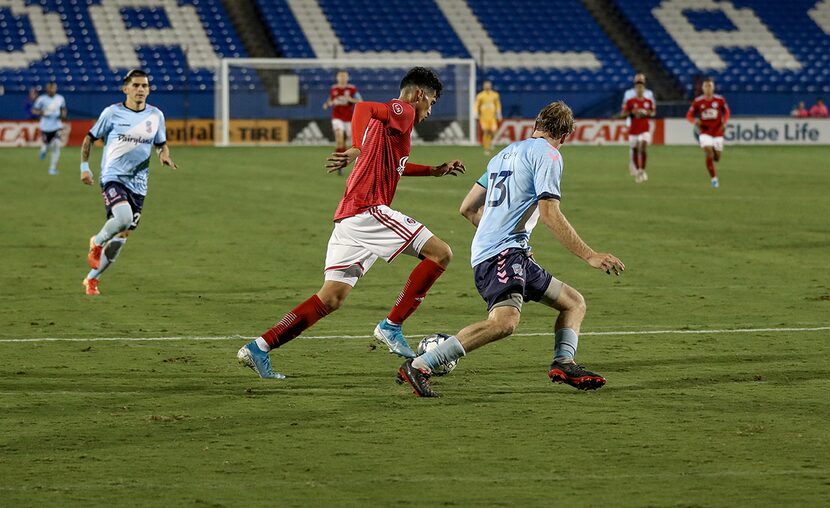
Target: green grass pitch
{"points": [[236, 237]]}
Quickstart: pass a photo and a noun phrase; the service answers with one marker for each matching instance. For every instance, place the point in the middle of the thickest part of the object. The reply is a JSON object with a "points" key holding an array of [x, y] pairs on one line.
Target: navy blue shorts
{"points": [[115, 193], [510, 271], [47, 137]]}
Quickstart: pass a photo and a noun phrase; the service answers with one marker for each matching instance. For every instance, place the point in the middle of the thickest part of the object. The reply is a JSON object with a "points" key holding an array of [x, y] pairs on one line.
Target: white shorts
{"points": [[634, 139], [714, 142], [338, 124], [358, 241]]}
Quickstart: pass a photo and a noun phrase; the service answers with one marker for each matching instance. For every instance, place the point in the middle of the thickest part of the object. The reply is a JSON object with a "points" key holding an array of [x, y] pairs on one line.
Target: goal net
{"points": [[274, 101]]}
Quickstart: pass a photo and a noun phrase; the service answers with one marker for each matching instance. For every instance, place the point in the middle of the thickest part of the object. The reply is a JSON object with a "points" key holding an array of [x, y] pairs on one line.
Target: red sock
{"points": [[420, 280], [643, 159], [295, 322], [710, 166]]}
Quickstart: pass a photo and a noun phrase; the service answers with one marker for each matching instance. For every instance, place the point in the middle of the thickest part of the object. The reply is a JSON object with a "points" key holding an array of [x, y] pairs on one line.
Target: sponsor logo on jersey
{"points": [[126, 138]]}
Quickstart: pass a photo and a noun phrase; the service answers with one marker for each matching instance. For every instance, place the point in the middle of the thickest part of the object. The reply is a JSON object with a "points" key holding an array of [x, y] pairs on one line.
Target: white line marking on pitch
{"points": [[528, 334]]}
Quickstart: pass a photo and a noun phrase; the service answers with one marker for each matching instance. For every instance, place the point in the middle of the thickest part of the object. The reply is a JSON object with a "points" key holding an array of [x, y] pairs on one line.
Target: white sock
{"points": [[56, 153], [263, 346]]}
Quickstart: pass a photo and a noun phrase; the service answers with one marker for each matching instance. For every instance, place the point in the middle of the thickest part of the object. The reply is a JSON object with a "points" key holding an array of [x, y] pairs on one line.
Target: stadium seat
{"points": [[792, 27], [81, 64]]}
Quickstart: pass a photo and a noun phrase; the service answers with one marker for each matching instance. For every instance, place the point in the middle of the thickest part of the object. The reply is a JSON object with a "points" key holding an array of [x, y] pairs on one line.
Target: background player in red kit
{"points": [[342, 98], [712, 114], [639, 108], [366, 228]]}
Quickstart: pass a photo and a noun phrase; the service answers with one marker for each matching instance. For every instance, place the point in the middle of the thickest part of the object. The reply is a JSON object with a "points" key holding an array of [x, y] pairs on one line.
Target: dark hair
{"points": [[708, 78], [423, 77], [556, 119], [135, 73]]}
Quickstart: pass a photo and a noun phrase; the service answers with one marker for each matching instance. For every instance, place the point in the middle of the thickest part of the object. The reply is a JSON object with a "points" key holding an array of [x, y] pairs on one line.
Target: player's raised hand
{"points": [[339, 160], [607, 263], [453, 168]]}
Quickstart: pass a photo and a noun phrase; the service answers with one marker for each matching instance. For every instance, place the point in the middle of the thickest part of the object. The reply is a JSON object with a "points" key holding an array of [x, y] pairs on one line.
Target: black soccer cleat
{"points": [[418, 379], [575, 375]]}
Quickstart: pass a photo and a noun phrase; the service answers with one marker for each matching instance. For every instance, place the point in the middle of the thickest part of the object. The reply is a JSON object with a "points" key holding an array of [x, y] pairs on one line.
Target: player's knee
{"points": [[443, 255], [574, 302], [505, 326], [580, 306], [332, 301], [123, 216], [508, 327]]}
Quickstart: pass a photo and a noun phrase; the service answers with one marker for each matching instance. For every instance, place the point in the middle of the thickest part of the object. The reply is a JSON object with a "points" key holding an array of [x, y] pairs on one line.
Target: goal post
{"points": [[279, 101]]}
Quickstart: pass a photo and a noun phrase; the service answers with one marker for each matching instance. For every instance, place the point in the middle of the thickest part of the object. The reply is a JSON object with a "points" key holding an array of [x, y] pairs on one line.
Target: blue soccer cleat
{"points": [[715, 183], [257, 360], [392, 337]]}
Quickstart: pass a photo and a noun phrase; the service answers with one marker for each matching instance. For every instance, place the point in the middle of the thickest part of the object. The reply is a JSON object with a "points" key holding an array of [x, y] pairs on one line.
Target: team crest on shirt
{"points": [[402, 164], [149, 125], [397, 108]]}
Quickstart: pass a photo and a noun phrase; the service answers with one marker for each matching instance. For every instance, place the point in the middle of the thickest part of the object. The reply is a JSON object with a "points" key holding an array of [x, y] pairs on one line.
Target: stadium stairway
{"points": [[635, 50], [252, 31]]}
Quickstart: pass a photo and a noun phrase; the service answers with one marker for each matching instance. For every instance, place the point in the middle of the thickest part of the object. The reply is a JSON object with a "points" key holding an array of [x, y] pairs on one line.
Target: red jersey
{"points": [[641, 124], [341, 108], [713, 113], [382, 132]]}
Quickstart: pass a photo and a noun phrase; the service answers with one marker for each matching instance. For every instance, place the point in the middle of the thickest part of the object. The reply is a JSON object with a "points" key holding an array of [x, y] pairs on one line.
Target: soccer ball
{"points": [[429, 343]]}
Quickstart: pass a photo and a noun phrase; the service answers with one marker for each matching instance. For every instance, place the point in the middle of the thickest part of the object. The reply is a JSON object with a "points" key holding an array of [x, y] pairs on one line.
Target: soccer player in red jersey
{"points": [[342, 98], [639, 108], [712, 114], [366, 228]]}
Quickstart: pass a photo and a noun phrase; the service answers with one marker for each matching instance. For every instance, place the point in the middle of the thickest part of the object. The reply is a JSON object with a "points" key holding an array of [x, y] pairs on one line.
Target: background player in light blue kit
{"points": [[130, 130], [51, 108], [522, 186]]}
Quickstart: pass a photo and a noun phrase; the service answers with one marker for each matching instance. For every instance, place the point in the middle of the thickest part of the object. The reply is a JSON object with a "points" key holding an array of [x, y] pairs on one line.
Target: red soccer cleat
{"points": [[91, 286], [93, 259]]}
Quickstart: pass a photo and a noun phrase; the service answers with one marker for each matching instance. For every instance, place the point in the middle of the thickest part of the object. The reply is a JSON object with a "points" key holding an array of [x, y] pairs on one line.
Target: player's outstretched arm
{"points": [[86, 173], [473, 205], [164, 156], [555, 220]]}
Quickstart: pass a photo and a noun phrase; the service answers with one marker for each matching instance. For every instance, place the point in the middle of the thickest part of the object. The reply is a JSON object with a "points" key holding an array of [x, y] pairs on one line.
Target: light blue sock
{"points": [[565, 344], [111, 251], [446, 352]]}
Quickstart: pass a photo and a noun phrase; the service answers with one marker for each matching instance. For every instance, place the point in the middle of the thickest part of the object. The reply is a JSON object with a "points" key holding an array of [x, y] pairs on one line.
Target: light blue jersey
{"points": [[50, 118], [129, 137], [516, 179]]}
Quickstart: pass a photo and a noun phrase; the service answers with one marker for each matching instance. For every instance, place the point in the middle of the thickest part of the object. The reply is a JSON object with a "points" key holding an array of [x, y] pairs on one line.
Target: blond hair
{"points": [[556, 119]]}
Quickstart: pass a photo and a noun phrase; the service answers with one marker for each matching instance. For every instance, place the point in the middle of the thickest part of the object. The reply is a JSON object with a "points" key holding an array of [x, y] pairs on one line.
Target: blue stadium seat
{"points": [[791, 25], [81, 65]]}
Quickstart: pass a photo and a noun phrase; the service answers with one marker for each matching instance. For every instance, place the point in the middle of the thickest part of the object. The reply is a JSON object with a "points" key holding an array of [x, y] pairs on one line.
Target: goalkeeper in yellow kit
{"points": [[488, 109]]}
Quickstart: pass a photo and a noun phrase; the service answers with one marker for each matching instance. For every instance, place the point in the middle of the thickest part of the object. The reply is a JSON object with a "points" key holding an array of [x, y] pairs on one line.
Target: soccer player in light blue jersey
{"points": [[130, 130], [51, 108], [520, 187]]}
